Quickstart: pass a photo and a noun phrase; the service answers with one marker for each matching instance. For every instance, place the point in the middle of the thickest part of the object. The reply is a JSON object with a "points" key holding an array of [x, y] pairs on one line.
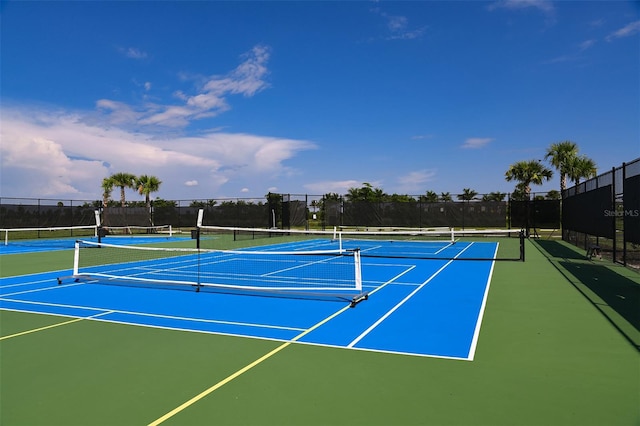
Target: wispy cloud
{"points": [[421, 137], [134, 53], [398, 26], [626, 31], [415, 180], [545, 6], [333, 186], [587, 44], [209, 99], [475, 143]]}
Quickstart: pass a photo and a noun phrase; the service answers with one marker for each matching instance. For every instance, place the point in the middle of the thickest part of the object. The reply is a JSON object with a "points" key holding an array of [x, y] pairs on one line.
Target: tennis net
{"points": [[331, 274], [442, 244], [162, 230], [63, 236]]}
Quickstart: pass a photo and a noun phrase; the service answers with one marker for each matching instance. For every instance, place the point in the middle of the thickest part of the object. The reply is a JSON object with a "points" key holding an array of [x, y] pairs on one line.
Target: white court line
{"points": [[38, 289], [303, 265], [476, 333], [143, 314], [35, 330], [403, 301], [25, 283]]}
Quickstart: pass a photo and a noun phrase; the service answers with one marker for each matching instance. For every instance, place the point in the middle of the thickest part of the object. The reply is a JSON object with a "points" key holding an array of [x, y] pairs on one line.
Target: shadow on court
{"points": [[559, 250], [613, 289]]}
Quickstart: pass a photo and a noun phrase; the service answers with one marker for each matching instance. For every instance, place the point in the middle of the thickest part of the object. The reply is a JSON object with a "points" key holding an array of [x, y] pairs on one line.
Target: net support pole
{"points": [[358, 269], [76, 258]]}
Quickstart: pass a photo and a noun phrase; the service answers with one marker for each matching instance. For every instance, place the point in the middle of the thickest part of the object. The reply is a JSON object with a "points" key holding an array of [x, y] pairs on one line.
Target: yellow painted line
{"points": [[35, 330], [242, 371]]}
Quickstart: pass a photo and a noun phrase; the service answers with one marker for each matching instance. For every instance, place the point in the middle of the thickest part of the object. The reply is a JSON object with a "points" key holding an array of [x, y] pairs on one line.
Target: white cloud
{"points": [[587, 44], [415, 180], [336, 186], [545, 6], [210, 98], [398, 26], [134, 53], [419, 137], [63, 154], [475, 143], [626, 31]]}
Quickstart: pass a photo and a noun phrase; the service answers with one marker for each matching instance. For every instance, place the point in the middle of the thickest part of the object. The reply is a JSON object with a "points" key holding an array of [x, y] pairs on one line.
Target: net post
{"points": [[522, 242], [76, 258], [358, 269], [453, 236], [170, 230], [6, 237]]}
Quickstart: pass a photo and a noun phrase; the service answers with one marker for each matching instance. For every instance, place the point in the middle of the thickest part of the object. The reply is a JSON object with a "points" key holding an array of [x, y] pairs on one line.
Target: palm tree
{"points": [[467, 194], [366, 193], [527, 173], [446, 197], [146, 185], [560, 155], [581, 167], [494, 196], [123, 180], [107, 188], [429, 197]]}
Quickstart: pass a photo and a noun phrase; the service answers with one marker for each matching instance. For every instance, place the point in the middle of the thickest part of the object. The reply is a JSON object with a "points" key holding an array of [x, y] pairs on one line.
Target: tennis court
{"points": [[188, 337], [443, 299]]}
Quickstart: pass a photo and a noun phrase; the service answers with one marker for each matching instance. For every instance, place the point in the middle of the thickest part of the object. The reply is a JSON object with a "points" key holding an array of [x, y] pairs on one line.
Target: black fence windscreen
{"points": [[44, 216], [535, 214], [590, 212], [631, 209], [415, 214]]}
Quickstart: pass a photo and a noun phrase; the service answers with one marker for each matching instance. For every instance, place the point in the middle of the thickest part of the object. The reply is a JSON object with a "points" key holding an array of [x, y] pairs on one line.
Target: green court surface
{"points": [[559, 345]]}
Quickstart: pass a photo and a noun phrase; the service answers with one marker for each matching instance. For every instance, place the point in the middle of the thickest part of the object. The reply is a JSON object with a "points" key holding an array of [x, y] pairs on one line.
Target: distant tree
{"points": [[331, 196], [494, 196], [429, 197], [467, 194], [159, 202], [561, 156], [446, 197], [400, 198], [203, 204], [123, 180], [528, 173], [553, 195], [366, 193]]}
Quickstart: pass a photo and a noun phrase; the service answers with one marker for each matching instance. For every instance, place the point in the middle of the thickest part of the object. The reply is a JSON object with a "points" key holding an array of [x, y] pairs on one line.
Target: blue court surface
{"points": [[415, 306]]}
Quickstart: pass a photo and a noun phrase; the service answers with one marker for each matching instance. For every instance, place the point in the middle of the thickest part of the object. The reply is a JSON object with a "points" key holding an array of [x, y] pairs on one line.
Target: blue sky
{"points": [[236, 99]]}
